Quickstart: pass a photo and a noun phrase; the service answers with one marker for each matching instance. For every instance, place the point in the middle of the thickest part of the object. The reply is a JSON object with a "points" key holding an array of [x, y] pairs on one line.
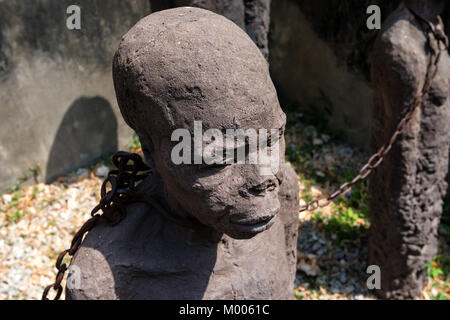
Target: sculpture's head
{"points": [[182, 65]]}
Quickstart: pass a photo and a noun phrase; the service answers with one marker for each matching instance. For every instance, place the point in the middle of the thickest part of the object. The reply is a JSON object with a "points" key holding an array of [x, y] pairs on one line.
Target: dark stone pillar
{"points": [[407, 190], [253, 16]]}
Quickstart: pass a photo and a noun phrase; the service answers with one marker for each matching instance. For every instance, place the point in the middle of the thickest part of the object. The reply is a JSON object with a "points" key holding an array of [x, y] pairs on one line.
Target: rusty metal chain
{"points": [[377, 158], [117, 190]]}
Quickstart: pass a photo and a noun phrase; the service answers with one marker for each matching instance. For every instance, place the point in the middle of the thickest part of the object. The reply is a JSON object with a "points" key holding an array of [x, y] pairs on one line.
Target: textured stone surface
{"points": [[407, 190], [53, 80], [253, 16], [308, 72], [176, 66], [342, 25]]}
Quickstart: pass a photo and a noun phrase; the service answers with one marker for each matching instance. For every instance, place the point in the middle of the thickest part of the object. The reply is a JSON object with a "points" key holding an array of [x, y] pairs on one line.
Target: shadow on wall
{"points": [[87, 131]]}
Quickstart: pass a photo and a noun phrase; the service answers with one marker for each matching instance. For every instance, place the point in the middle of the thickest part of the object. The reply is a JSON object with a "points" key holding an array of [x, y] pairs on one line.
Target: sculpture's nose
{"points": [[266, 186], [256, 183], [258, 186]]}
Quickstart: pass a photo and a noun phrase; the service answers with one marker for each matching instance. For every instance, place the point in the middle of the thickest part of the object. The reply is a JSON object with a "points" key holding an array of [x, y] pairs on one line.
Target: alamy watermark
{"points": [[374, 20], [73, 21], [217, 147], [374, 281]]}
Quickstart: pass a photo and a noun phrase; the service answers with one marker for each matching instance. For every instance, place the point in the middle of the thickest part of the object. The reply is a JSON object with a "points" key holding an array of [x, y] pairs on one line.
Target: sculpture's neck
{"points": [[428, 9], [154, 187]]}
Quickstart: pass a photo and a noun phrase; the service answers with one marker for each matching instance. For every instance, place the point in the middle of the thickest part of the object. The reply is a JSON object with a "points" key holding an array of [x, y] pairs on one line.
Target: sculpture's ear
{"points": [[147, 148]]}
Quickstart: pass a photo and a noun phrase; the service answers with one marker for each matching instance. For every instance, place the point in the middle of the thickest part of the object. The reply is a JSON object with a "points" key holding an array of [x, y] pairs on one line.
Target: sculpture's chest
{"points": [[133, 263], [234, 269]]}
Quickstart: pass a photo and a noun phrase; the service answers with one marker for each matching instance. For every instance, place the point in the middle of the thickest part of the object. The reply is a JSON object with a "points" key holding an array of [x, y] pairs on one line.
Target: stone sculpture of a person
{"points": [[172, 68], [407, 190]]}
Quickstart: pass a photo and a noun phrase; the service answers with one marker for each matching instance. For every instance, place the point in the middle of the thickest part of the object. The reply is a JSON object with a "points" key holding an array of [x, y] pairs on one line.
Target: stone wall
{"points": [[320, 60], [57, 101], [320, 56]]}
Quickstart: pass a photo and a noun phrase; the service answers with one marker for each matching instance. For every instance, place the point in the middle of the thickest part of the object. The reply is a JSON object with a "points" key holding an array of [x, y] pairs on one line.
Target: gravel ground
{"points": [[36, 224], [331, 268], [326, 271]]}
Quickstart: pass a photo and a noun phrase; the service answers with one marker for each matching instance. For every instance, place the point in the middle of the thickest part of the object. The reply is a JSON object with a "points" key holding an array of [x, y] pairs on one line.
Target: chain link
{"points": [[117, 190], [377, 158]]}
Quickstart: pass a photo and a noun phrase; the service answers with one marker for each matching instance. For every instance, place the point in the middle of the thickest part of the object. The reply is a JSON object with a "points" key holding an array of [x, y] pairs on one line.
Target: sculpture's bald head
{"points": [[185, 64]]}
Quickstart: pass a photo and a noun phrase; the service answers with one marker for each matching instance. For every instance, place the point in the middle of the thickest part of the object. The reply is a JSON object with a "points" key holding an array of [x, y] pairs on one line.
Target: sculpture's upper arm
{"points": [[289, 200], [90, 275], [399, 62]]}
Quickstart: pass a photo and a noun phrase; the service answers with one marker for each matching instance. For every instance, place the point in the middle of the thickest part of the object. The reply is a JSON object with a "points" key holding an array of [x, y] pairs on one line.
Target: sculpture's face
{"points": [[240, 200], [183, 65]]}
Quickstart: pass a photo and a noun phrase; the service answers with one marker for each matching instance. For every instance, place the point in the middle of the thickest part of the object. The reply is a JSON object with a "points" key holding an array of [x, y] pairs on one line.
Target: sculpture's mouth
{"points": [[255, 226]]}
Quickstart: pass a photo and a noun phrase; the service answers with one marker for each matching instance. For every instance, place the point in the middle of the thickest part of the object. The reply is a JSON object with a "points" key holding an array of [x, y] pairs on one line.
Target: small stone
{"points": [[7, 198], [338, 255], [329, 159], [443, 231], [310, 269], [315, 190], [335, 290], [320, 173], [322, 251], [310, 131], [317, 142], [349, 289], [343, 278], [102, 171], [316, 247], [82, 173]]}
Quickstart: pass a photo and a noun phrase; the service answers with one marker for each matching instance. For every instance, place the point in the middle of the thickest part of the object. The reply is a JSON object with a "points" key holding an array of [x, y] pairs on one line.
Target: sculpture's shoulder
{"points": [[400, 60], [90, 276], [97, 268], [289, 183], [401, 29], [289, 193], [143, 257], [399, 48], [289, 200]]}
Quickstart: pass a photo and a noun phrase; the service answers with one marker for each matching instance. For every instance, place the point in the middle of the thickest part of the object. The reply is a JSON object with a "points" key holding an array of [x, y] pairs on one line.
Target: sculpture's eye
{"points": [[213, 166], [217, 166]]}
